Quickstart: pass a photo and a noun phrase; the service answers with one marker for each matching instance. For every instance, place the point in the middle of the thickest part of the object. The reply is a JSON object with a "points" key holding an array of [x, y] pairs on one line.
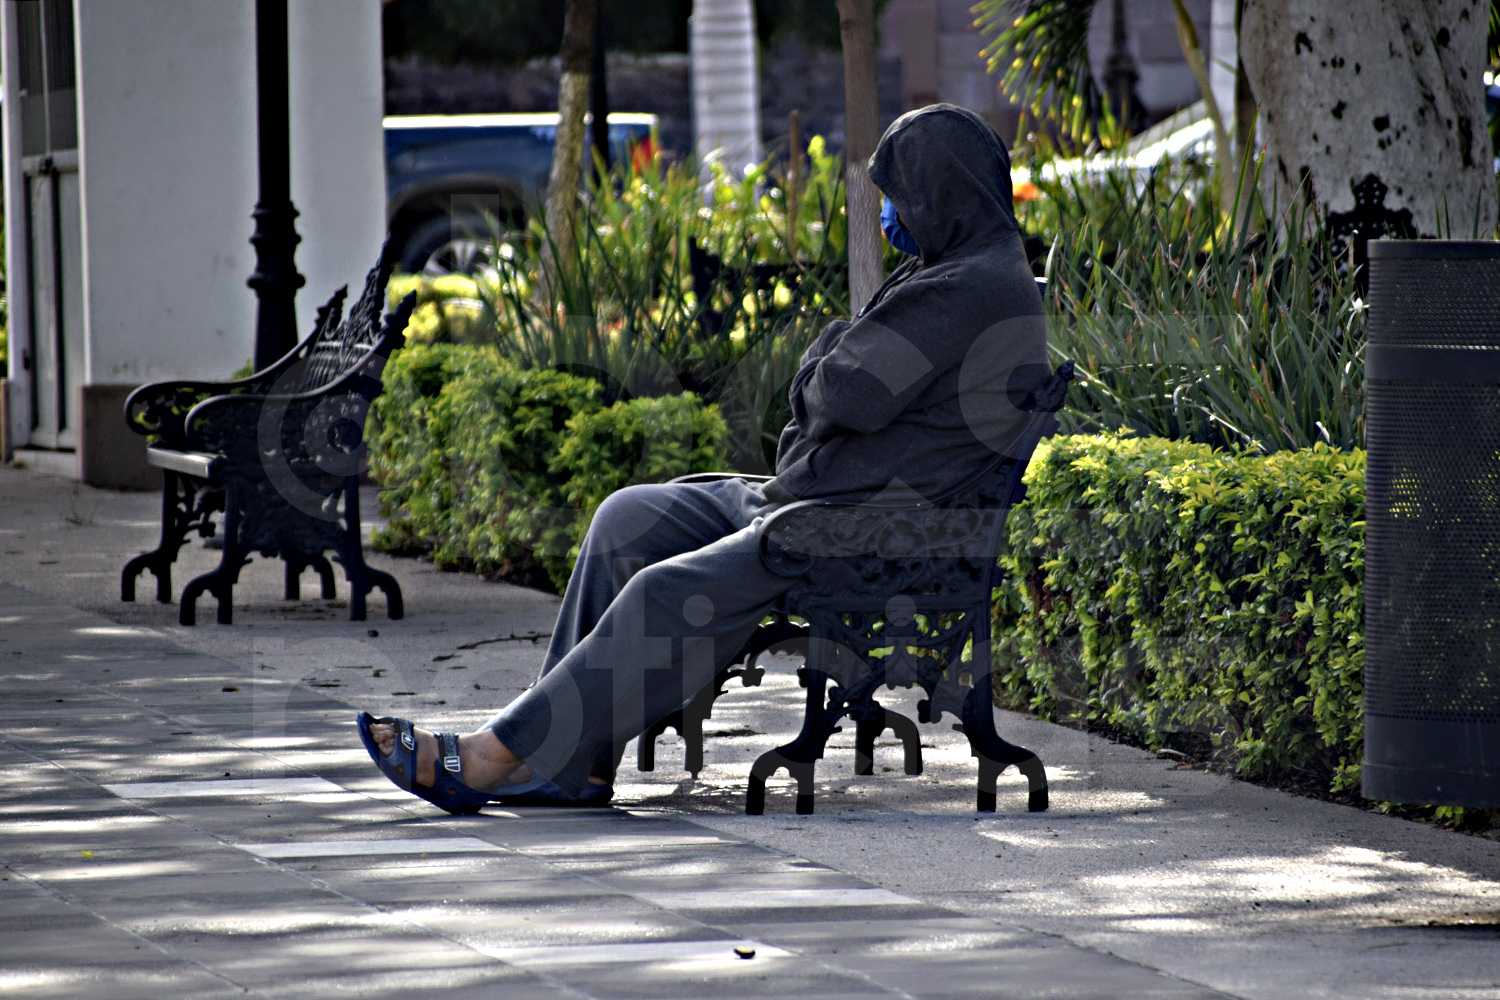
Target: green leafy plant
{"points": [[1189, 326], [494, 467], [1193, 598]]}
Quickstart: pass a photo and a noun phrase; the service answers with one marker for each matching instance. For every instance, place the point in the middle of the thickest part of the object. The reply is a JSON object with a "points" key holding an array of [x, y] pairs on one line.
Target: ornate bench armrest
{"points": [[233, 422], [160, 407], [718, 477]]}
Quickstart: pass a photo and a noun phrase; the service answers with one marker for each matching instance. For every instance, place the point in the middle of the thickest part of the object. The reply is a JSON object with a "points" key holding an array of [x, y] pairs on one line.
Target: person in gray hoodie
{"points": [[914, 395]]}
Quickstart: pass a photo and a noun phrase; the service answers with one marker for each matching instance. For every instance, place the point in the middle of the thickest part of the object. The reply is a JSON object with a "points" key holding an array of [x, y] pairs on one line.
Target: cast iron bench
{"points": [[915, 577], [279, 454]]}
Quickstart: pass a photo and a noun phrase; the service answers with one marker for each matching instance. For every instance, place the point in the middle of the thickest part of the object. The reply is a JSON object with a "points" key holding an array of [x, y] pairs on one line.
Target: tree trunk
{"points": [[567, 151], [861, 132], [1373, 111]]}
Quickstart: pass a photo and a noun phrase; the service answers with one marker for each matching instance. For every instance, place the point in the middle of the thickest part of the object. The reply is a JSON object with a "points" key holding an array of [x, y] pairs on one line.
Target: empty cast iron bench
{"points": [[909, 575], [278, 454]]}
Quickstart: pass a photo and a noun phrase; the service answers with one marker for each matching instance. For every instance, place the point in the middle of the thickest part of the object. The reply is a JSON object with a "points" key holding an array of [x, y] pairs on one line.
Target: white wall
{"points": [[338, 149], [168, 158]]}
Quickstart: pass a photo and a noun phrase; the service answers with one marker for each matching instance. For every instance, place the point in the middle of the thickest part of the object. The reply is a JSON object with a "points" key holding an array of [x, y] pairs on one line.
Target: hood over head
{"points": [[948, 174]]}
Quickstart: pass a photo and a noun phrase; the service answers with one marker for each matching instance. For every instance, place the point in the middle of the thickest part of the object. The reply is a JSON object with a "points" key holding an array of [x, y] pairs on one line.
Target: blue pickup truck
{"points": [[456, 182]]}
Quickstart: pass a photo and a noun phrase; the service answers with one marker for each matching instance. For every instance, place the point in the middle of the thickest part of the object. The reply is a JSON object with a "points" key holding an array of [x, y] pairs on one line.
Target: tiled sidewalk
{"points": [[173, 827]]}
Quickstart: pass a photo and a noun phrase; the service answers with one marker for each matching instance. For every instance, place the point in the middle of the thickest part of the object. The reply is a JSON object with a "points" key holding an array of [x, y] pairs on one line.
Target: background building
{"points": [[130, 173]]}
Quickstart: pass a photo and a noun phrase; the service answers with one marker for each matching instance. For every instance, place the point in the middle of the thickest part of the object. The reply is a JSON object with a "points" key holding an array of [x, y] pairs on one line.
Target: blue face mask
{"points": [[895, 233]]}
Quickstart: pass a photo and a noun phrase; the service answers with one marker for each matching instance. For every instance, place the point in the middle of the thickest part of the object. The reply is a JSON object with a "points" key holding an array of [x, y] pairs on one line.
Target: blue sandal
{"points": [[448, 793]]}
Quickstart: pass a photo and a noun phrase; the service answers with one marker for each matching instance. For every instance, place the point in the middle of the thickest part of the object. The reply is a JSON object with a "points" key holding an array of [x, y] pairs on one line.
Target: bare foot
{"points": [[485, 761]]}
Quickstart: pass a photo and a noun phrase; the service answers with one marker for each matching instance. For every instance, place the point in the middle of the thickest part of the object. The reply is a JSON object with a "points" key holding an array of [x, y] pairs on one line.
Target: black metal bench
{"points": [[278, 454], [914, 578]]}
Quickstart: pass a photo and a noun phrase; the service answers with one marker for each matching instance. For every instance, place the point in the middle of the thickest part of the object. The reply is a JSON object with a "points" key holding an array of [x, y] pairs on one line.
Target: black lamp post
{"points": [[275, 278], [599, 96], [1121, 74]]}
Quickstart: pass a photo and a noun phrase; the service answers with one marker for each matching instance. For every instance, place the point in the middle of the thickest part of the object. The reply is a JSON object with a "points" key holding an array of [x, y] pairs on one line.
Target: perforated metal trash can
{"points": [[1432, 556]]}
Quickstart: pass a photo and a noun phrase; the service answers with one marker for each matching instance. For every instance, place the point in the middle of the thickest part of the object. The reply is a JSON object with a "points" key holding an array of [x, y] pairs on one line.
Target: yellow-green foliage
{"points": [[451, 308], [489, 465], [1192, 597]]}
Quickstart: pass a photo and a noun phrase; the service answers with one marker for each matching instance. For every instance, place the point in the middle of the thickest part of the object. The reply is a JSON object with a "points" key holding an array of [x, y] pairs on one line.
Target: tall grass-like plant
{"points": [[622, 307], [1186, 325]]}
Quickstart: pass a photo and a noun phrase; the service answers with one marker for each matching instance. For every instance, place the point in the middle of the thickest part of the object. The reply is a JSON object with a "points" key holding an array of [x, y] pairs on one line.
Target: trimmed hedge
{"points": [[1183, 596], [487, 465], [1194, 599]]}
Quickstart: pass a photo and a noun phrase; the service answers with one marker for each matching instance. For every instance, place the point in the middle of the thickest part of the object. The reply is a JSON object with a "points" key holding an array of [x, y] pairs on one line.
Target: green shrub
{"points": [[487, 465], [1194, 599]]}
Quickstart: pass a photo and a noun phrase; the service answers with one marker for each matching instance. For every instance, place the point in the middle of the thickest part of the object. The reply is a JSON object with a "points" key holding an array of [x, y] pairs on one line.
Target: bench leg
{"points": [[868, 730], [219, 582], [688, 720], [292, 591], [798, 756], [362, 579], [645, 747], [295, 565], [180, 514], [325, 575], [995, 754]]}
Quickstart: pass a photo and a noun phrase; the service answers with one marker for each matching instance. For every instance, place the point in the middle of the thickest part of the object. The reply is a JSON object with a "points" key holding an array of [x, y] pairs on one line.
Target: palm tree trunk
{"points": [[726, 83], [861, 132]]}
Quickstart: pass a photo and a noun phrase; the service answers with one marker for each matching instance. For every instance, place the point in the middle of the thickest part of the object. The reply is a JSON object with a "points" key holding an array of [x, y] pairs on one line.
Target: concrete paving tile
{"points": [[148, 979], [416, 868], [135, 766], [724, 974], [810, 878], [286, 912], [16, 815], [708, 949], [142, 901], [346, 847], [857, 897], [946, 933], [31, 777], [138, 863], [680, 861], [541, 893], [17, 922], [707, 867], [303, 817], [198, 787], [64, 836], [1041, 969], [318, 958], [585, 925], [496, 981], [504, 911]]}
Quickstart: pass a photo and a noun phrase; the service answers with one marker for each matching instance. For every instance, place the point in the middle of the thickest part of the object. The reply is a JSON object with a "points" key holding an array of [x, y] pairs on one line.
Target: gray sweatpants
{"points": [[667, 587]]}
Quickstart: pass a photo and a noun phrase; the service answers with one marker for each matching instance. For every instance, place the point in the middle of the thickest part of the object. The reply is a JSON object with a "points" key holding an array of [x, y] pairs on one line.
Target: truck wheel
{"points": [[458, 244]]}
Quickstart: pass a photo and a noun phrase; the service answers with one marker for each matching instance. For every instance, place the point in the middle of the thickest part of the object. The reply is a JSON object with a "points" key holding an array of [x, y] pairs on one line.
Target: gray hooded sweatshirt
{"points": [[920, 391]]}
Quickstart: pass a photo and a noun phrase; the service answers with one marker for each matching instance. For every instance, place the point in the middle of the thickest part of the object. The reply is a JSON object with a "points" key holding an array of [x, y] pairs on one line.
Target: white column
{"points": [[17, 287], [726, 85], [1223, 57], [338, 146]]}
